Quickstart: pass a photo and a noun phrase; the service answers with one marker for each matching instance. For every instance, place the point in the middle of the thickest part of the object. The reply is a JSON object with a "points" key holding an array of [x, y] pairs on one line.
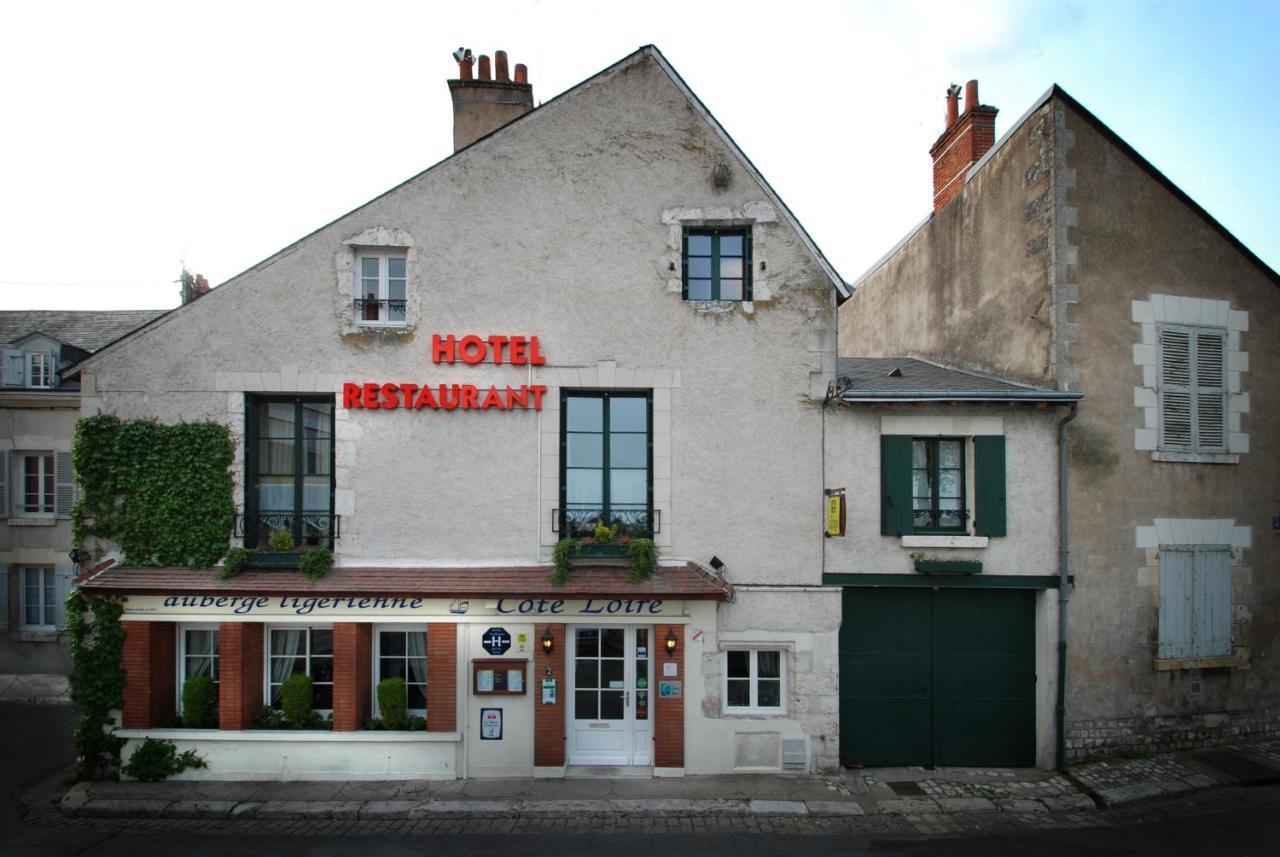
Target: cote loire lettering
{"points": [[471, 350]]}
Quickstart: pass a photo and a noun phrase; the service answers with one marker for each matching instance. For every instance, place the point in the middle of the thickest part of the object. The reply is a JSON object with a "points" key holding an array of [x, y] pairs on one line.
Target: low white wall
{"points": [[304, 755]]}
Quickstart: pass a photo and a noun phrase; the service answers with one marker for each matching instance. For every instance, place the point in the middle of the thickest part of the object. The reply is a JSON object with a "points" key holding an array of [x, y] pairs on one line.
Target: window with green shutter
{"points": [[1192, 388], [925, 486]]}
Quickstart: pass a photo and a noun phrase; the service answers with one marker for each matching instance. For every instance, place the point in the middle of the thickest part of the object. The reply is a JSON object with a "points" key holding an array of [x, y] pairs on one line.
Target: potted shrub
{"points": [[200, 703], [393, 703], [934, 565], [276, 550], [295, 701]]}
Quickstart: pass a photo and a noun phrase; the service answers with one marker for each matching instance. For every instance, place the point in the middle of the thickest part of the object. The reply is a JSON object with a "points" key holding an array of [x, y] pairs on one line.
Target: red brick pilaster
{"points": [[668, 725], [239, 673], [352, 675], [548, 720], [442, 677], [150, 664]]}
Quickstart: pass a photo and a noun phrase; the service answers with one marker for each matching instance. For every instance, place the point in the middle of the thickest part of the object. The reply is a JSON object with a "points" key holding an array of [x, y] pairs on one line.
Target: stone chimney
{"points": [[193, 286], [968, 136], [483, 104]]}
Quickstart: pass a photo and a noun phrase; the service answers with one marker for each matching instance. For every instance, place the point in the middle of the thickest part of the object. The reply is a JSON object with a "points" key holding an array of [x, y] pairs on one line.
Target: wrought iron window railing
{"points": [[942, 520], [577, 523], [380, 309], [309, 528]]}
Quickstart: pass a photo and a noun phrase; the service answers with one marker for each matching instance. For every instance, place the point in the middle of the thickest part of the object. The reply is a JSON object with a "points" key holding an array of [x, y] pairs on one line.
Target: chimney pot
{"points": [[483, 105], [966, 139]]}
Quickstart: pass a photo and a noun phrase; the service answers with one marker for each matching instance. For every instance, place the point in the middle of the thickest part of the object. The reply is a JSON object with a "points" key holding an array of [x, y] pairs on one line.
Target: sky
{"points": [[145, 136]]}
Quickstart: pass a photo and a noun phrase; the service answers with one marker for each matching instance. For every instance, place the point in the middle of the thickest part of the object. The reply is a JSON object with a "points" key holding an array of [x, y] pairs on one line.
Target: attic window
{"points": [[381, 283], [717, 264], [39, 369]]}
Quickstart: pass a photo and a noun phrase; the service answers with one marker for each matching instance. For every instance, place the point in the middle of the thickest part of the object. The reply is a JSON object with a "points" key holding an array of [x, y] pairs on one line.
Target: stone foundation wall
{"points": [[1093, 739]]}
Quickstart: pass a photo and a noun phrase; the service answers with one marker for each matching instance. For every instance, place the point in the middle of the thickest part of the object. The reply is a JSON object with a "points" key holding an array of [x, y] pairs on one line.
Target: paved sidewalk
{"points": [[909, 793]]}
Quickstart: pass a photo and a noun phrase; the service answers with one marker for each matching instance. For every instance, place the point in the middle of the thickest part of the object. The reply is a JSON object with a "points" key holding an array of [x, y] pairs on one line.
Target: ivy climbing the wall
{"points": [[162, 493], [97, 681]]}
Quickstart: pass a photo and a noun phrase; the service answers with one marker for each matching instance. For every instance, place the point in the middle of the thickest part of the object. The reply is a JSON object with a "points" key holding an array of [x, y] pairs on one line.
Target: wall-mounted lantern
{"points": [[548, 642], [670, 642]]}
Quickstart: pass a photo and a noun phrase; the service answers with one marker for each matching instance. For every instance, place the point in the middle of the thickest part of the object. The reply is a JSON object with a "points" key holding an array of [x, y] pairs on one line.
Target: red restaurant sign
{"points": [[472, 350]]}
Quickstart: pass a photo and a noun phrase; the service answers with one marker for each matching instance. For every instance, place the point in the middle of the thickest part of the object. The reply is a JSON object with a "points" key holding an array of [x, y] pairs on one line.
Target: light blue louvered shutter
{"points": [[1176, 385], [65, 484], [63, 575], [13, 368], [1211, 390], [4, 597], [1211, 603], [1176, 564]]}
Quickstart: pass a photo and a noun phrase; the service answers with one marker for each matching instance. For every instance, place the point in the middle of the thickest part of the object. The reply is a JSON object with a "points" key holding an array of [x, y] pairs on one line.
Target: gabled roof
{"points": [[646, 51], [908, 379], [1056, 91], [86, 330]]}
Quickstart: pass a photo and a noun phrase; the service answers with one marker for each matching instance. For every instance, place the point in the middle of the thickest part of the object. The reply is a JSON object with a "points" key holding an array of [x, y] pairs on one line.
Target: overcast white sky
{"points": [[140, 135]]}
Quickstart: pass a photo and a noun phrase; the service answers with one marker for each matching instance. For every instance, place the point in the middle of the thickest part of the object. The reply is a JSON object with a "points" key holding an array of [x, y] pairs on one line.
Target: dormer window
{"points": [[381, 281], [39, 369]]}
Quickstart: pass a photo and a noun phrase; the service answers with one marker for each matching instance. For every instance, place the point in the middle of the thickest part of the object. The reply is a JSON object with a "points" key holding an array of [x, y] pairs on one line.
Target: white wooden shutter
{"points": [[14, 367], [5, 456], [1211, 603], [65, 485], [1211, 390], [64, 575], [4, 597], [1175, 602], [1175, 389]]}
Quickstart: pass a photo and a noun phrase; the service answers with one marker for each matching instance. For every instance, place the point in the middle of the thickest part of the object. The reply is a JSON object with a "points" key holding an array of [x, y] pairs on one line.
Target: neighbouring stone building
{"points": [[594, 313], [1060, 257], [38, 413]]}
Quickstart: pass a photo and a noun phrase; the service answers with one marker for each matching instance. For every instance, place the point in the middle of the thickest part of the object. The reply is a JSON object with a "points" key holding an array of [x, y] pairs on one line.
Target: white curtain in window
{"points": [[285, 647], [417, 649]]}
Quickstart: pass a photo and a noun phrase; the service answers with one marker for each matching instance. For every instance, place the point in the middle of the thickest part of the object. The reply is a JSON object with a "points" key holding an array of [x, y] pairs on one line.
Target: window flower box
{"points": [[273, 559], [948, 566]]}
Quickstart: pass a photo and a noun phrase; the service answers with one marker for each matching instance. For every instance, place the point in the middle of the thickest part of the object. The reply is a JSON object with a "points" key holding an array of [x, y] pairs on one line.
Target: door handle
{"points": [[626, 699]]}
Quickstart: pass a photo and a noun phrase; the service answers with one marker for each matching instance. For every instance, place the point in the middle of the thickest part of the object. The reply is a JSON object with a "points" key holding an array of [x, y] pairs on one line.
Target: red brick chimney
{"points": [[482, 105], [967, 138]]}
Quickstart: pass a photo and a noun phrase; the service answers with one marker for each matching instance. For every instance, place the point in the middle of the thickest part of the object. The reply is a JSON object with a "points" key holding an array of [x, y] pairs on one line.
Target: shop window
{"points": [[43, 591], [754, 681], [606, 453], [301, 651], [402, 653], [289, 459], [381, 278], [197, 654], [1195, 601], [717, 264], [1192, 389], [925, 485]]}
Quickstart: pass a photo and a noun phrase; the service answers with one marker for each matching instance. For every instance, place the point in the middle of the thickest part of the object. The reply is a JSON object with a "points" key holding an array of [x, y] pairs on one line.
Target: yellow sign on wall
{"points": [[835, 512]]}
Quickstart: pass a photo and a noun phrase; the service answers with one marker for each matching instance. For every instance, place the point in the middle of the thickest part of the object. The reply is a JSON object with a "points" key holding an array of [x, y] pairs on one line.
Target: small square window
{"points": [[754, 681], [717, 264], [381, 288]]}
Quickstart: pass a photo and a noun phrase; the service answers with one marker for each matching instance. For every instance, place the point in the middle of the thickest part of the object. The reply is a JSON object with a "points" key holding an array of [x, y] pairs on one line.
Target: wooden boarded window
{"points": [[1195, 601], [1193, 389]]}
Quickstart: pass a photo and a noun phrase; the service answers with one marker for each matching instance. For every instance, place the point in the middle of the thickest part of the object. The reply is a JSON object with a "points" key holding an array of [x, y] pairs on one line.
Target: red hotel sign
{"points": [[472, 350]]}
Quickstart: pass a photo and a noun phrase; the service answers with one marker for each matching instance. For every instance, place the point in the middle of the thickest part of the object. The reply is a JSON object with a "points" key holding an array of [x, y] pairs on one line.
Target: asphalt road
{"points": [[37, 749]]}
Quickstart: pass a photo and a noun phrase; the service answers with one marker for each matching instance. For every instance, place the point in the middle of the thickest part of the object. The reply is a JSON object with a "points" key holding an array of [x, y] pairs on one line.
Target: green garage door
{"points": [[937, 677]]}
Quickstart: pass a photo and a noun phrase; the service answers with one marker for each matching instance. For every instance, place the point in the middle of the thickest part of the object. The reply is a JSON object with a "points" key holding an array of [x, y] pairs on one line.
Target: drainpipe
{"points": [[1064, 589]]}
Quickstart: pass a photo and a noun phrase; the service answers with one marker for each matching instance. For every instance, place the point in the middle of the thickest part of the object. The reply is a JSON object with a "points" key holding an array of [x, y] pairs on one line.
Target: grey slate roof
{"points": [[911, 379], [86, 330]]}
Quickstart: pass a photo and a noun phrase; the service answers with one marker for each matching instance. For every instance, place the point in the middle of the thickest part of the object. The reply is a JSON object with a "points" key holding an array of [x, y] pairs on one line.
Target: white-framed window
{"points": [[400, 651], [197, 654], [299, 649], [381, 283], [1192, 388], [39, 369], [37, 495], [754, 681], [41, 607]]}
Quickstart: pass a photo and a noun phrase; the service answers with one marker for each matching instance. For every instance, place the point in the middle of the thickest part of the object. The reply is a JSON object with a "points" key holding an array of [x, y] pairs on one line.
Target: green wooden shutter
{"points": [[895, 485], [989, 504]]}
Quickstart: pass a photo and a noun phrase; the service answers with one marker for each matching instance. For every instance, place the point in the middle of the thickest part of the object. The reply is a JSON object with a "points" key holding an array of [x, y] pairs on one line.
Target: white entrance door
{"points": [[610, 716]]}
